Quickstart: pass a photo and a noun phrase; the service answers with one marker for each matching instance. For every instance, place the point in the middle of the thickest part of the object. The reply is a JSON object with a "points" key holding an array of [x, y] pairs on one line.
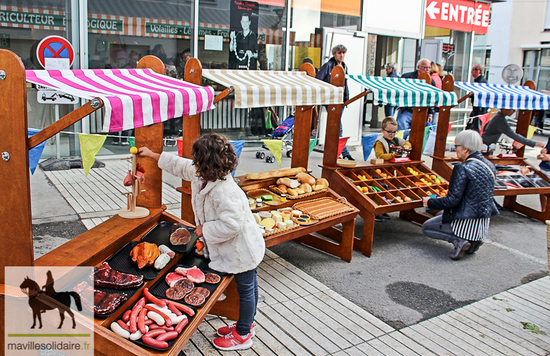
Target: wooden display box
{"points": [[341, 240], [445, 167], [375, 192]]}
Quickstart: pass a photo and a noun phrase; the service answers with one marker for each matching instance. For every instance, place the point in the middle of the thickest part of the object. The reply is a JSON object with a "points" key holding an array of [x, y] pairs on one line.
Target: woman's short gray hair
{"points": [[339, 48], [469, 140]]}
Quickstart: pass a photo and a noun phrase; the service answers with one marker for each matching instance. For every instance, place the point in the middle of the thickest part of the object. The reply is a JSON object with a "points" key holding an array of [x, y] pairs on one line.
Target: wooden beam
{"points": [[302, 135], [467, 96], [223, 94], [332, 132], [524, 120], [418, 125], [191, 132], [443, 120], [357, 97], [151, 136], [65, 121], [15, 195]]}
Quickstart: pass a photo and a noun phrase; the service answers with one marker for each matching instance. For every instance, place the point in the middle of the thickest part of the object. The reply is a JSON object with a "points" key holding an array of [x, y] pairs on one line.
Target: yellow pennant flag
{"points": [[276, 147], [400, 133], [89, 147], [531, 131]]}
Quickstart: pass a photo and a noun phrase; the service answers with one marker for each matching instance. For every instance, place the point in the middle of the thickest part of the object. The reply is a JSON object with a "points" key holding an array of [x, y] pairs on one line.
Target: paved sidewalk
{"points": [[301, 316]]}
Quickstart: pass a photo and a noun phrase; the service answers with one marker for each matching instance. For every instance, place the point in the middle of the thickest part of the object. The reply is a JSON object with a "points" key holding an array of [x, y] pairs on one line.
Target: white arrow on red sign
{"points": [[432, 10]]}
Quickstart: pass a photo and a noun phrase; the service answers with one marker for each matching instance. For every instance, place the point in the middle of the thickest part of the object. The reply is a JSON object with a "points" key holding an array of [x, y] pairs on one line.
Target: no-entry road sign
{"points": [[54, 47]]}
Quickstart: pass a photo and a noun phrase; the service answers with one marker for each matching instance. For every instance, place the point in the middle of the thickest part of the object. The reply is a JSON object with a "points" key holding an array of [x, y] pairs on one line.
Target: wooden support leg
{"points": [[229, 307], [413, 216], [510, 202], [364, 245]]}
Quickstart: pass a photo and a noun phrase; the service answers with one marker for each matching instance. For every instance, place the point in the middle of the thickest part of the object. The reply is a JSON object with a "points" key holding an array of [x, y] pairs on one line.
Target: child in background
{"points": [[384, 143], [225, 221]]}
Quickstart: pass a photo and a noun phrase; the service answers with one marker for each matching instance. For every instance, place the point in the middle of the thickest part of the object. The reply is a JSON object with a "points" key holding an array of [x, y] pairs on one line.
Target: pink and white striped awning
{"points": [[132, 97]]}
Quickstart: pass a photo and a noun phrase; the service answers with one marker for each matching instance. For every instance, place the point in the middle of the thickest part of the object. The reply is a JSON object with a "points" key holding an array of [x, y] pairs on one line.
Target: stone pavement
{"points": [[303, 315]]}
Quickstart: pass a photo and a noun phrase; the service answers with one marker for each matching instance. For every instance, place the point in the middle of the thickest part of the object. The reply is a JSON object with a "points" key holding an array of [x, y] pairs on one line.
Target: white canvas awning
{"points": [[254, 88]]}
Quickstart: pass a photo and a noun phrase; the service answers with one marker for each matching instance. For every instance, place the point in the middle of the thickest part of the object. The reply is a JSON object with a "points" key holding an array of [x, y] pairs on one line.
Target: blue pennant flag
{"points": [[35, 152], [368, 143], [238, 148]]}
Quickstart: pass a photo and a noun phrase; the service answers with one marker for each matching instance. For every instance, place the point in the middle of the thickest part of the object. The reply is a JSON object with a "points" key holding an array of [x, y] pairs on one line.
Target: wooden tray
{"points": [[257, 193], [323, 208]]}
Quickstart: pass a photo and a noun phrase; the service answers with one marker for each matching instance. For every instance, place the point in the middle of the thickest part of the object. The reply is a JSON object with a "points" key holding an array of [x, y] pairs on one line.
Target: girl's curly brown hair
{"points": [[213, 157]]}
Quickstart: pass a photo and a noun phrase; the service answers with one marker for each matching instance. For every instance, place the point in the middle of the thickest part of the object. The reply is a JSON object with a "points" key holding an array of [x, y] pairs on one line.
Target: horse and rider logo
{"points": [[40, 303]]}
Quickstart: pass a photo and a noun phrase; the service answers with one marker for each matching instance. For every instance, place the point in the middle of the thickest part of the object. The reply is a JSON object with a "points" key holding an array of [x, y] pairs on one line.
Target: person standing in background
{"points": [[390, 72], [338, 55], [474, 123], [405, 113]]}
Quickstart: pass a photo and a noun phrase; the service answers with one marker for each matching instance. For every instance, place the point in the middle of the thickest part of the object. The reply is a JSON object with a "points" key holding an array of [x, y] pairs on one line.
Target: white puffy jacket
{"points": [[234, 240]]}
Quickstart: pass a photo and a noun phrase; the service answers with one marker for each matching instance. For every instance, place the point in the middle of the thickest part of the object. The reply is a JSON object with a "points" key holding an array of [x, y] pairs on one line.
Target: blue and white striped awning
{"points": [[505, 96], [405, 92]]}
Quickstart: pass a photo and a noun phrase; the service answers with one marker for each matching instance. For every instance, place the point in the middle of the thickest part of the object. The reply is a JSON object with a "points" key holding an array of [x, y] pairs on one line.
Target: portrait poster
{"points": [[243, 35]]}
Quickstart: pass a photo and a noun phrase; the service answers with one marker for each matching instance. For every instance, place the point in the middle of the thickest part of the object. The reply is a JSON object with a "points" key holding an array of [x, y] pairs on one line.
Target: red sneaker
{"points": [[233, 341], [224, 330]]}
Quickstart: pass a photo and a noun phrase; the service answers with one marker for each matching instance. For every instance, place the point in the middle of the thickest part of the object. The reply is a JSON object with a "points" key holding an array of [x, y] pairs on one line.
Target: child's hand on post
{"points": [[146, 152], [198, 231]]}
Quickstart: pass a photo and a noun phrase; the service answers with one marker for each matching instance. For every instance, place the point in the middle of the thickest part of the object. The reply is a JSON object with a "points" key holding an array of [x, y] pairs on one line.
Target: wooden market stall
{"points": [[521, 98], [278, 88], [134, 98], [381, 188]]}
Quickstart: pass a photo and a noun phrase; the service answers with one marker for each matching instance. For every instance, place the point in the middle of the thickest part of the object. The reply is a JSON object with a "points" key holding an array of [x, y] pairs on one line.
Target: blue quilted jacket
{"points": [[470, 194]]}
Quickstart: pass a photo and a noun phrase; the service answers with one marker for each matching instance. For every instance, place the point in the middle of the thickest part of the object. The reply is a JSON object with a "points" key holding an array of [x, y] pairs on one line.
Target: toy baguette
{"points": [[275, 173]]}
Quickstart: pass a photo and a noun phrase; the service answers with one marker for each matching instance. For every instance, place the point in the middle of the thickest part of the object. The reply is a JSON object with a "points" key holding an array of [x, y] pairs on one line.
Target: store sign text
{"points": [[460, 15], [182, 30], [105, 25], [33, 19]]}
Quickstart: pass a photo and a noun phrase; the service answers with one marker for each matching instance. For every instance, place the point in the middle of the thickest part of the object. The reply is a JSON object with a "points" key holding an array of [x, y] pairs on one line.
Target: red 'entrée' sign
{"points": [[458, 15]]}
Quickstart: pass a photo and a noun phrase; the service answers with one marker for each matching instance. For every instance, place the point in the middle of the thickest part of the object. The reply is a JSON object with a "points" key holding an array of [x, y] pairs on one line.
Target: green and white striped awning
{"points": [[405, 92], [265, 88]]}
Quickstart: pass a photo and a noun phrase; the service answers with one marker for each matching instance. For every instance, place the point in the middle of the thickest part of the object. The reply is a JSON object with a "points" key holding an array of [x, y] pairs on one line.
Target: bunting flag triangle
{"points": [[341, 144], [367, 142], [531, 131], [35, 152], [276, 147], [89, 147], [400, 134], [312, 144], [238, 148], [426, 133]]}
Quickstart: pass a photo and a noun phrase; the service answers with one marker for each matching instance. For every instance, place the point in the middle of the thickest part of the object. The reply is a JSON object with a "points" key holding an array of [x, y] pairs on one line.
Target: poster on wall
{"points": [[447, 58], [243, 38]]}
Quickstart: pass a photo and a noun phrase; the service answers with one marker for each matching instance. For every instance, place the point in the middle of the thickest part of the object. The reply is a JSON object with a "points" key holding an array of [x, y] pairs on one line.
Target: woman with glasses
{"points": [[469, 203]]}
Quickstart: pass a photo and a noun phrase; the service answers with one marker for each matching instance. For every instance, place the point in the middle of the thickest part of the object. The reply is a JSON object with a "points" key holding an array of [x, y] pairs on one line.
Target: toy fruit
{"points": [[365, 189], [378, 171], [133, 150], [443, 194], [408, 199]]}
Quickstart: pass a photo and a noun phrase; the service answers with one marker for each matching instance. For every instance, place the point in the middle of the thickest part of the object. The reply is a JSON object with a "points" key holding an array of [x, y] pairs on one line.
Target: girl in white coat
{"points": [[234, 241]]}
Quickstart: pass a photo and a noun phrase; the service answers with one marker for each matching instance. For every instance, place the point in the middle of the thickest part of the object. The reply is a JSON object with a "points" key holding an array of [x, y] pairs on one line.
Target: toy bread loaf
{"points": [[321, 183], [305, 187], [305, 178], [292, 192], [291, 183], [276, 173]]}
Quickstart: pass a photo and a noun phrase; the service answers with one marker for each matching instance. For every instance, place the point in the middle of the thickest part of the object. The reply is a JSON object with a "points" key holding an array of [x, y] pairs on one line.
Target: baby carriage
{"points": [[283, 132]]}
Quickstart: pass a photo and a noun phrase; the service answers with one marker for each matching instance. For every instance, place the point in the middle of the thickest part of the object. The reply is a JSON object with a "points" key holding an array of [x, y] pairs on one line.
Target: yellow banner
{"points": [[276, 147], [531, 131], [400, 133], [89, 147]]}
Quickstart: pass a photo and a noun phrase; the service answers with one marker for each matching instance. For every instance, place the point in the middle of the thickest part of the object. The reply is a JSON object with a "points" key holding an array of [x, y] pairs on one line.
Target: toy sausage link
{"points": [[117, 329], [141, 321], [167, 320], [133, 318], [173, 309], [126, 315], [163, 327], [153, 299], [183, 308], [148, 339], [148, 321], [170, 335], [181, 325], [123, 325], [156, 317]]}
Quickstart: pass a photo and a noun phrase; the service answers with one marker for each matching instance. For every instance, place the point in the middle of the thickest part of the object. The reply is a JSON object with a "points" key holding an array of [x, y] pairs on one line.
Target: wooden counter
{"points": [[399, 182]]}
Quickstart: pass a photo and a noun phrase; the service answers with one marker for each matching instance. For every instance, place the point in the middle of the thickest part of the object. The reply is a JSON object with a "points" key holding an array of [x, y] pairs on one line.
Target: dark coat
{"points": [[414, 75], [470, 194], [326, 70]]}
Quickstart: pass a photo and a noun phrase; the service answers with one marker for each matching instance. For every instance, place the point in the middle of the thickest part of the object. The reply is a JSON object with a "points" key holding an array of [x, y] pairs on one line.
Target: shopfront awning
{"points": [[254, 89], [505, 96], [405, 92], [132, 97]]}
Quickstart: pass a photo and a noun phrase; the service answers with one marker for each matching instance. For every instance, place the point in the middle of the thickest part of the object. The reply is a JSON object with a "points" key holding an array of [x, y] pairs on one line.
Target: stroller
{"points": [[284, 132]]}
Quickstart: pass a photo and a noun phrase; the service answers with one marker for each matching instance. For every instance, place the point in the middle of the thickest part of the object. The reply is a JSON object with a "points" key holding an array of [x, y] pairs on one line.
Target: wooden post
{"points": [[524, 120], [15, 195], [443, 120], [302, 128], [418, 124], [332, 134], [152, 137], [191, 132]]}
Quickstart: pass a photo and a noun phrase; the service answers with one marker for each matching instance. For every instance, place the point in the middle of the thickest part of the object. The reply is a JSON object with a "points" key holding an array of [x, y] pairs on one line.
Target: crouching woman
{"points": [[469, 203]]}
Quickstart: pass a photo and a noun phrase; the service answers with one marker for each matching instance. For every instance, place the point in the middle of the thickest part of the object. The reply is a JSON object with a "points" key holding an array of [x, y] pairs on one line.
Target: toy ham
{"points": [[194, 274]]}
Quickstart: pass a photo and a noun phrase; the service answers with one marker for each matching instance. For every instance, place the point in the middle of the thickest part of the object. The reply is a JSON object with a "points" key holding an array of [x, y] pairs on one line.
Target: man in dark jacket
{"points": [[338, 54], [498, 126], [474, 123], [405, 114], [390, 72], [468, 204]]}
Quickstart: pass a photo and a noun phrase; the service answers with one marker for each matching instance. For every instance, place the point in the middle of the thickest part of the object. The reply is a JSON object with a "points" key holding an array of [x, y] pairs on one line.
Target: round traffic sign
{"points": [[54, 47]]}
